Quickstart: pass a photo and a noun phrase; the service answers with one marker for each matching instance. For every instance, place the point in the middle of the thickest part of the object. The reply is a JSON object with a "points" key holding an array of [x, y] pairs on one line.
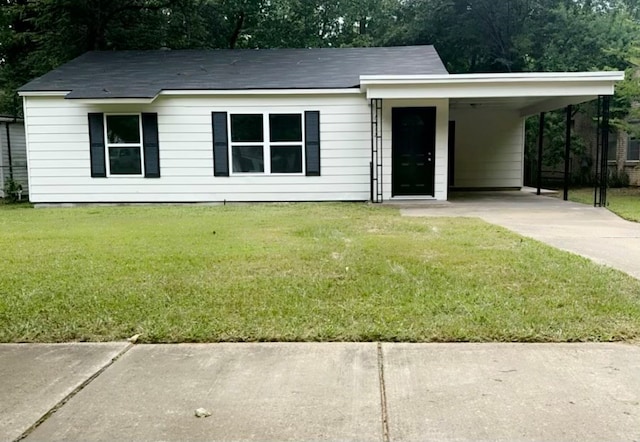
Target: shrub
{"points": [[12, 190]]}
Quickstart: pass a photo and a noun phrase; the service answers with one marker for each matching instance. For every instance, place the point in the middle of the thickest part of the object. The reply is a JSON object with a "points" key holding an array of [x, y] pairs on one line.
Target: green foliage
{"points": [[471, 35], [555, 134], [618, 179], [554, 140], [12, 191]]}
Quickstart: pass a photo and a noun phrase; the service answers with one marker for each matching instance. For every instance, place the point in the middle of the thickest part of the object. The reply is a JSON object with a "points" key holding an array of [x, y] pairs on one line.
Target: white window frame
{"points": [[266, 144], [107, 145]]}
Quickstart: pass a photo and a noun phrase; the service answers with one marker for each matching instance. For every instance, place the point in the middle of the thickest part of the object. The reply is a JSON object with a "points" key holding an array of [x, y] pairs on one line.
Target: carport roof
{"points": [[528, 93]]}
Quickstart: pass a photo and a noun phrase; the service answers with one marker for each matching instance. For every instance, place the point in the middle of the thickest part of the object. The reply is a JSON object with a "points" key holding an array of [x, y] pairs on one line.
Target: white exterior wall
{"points": [[442, 144], [59, 160], [18, 155], [489, 151]]}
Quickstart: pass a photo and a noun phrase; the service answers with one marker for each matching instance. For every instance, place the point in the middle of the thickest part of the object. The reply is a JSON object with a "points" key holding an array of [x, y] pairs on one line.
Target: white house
{"points": [[13, 154], [349, 124]]}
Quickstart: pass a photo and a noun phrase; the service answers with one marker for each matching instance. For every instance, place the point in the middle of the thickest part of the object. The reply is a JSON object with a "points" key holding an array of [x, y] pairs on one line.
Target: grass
{"points": [[624, 202], [295, 272]]}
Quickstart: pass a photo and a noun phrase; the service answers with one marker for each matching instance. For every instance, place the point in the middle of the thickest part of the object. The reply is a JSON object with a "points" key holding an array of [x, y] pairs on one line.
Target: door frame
{"points": [[433, 177]]}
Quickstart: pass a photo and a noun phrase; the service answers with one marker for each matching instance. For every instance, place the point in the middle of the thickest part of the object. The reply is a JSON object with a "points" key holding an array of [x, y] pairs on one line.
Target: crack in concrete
{"points": [[75, 391], [383, 396]]}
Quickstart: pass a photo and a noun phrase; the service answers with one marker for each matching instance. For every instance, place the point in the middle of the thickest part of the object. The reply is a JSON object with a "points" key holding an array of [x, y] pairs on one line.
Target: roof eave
{"points": [[39, 93], [517, 77], [191, 92], [292, 91], [545, 84]]}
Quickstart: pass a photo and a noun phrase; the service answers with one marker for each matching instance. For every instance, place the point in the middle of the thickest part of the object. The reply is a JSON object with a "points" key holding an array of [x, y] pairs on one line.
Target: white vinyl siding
{"points": [[489, 151], [60, 168], [18, 155]]}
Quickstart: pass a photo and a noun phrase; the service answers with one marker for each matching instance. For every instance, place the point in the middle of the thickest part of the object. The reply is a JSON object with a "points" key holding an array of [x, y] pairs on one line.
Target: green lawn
{"points": [[624, 202], [295, 272]]}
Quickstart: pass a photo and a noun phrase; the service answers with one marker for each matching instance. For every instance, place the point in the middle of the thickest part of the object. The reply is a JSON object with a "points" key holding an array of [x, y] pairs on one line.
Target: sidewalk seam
{"points": [[75, 391], [383, 395]]}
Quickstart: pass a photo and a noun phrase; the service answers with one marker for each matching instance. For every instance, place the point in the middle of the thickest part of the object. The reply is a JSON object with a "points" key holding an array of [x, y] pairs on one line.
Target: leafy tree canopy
{"points": [[471, 35]]}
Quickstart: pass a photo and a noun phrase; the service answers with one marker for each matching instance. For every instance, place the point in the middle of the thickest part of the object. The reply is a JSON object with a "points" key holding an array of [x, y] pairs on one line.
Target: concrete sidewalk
{"points": [[333, 391], [592, 232]]}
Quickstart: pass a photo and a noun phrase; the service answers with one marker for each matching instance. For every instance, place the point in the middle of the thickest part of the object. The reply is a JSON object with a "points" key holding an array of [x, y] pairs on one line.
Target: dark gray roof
{"points": [[143, 74]]}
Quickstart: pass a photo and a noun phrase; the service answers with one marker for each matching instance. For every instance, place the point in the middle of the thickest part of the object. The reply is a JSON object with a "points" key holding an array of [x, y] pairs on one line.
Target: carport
{"points": [[432, 133]]}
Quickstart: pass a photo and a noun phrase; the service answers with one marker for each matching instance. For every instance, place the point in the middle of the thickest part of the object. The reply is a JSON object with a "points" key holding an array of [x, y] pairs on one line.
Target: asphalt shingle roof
{"points": [[143, 74]]}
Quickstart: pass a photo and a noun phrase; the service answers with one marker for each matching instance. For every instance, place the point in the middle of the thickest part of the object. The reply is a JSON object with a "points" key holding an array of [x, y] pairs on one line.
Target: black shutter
{"points": [[151, 145], [312, 142], [220, 144], [96, 145]]}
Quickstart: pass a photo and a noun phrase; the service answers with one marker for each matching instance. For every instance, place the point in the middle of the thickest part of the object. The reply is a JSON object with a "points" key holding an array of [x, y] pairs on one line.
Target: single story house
{"points": [[348, 124], [13, 154]]}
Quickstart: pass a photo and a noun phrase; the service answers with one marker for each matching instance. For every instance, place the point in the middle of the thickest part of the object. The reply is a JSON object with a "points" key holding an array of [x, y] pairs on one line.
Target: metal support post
{"points": [[540, 149], [567, 153], [376, 169]]}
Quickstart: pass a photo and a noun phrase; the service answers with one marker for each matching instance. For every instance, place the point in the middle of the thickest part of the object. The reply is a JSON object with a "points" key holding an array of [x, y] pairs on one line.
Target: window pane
{"points": [[123, 129], [613, 146], [633, 153], [248, 159], [247, 128], [285, 127], [125, 161], [286, 159]]}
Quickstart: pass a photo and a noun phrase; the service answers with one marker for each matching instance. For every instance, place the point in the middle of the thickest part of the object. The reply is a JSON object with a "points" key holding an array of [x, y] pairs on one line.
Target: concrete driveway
{"points": [[595, 233]]}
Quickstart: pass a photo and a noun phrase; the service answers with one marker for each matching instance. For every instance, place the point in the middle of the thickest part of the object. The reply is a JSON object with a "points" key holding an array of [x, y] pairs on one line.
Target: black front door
{"points": [[413, 151]]}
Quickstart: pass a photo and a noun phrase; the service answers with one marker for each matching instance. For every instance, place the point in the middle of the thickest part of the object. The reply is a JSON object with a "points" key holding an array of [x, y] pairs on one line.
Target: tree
{"points": [[470, 35], [39, 35]]}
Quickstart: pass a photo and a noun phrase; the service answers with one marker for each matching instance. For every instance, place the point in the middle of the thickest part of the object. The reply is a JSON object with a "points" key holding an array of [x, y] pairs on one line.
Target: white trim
{"points": [[107, 145], [366, 81], [131, 100], [213, 92], [538, 77], [26, 141], [194, 92], [524, 85], [400, 198], [43, 93], [112, 100]]}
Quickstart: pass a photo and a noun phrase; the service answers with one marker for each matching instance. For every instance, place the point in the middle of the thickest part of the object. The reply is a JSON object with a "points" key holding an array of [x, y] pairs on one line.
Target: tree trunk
{"points": [[233, 40], [621, 150], [363, 26]]}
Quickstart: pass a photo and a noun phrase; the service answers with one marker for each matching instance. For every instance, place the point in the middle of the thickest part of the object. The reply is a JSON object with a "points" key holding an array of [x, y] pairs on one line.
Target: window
{"points": [[247, 138], [613, 146], [259, 144], [124, 144], [633, 151], [286, 137], [247, 128], [280, 152]]}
